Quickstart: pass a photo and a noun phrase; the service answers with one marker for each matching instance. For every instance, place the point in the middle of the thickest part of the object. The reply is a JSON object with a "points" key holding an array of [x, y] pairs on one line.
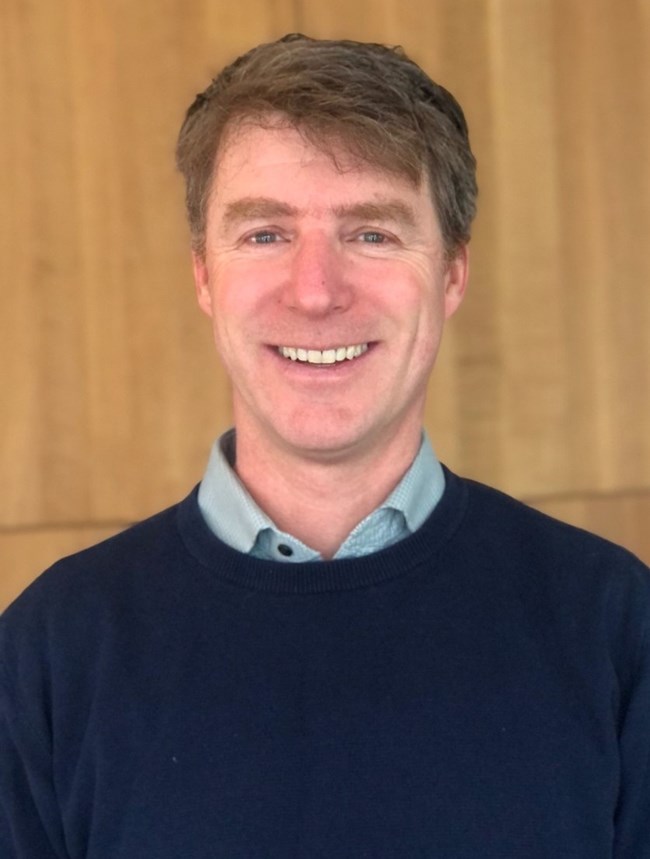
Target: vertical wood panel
{"points": [[526, 250], [602, 102]]}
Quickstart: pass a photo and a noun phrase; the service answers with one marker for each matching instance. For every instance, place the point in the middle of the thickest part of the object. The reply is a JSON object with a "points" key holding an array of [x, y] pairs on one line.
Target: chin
{"points": [[320, 440]]}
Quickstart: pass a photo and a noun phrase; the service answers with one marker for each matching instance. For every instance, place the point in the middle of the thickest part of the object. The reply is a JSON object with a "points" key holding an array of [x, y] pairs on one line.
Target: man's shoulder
{"points": [[119, 564], [101, 606], [508, 529]]}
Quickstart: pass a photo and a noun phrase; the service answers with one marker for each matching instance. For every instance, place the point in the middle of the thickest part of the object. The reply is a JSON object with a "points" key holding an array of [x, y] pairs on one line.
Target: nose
{"points": [[316, 283]]}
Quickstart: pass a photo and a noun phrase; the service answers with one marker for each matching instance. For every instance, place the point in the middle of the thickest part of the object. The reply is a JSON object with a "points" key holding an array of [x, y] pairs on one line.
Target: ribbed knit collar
{"points": [[229, 565]]}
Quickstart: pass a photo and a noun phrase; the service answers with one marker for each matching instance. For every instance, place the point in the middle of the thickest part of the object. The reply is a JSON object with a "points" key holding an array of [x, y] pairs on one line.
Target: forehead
{"points": [[279, 160]]}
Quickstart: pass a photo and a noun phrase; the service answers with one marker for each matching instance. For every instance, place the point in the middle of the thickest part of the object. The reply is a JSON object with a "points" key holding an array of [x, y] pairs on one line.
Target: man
{"points": [[334, 647]]}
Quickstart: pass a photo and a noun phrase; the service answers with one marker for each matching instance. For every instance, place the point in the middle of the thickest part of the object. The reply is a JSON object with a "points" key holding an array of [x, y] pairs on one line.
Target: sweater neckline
{"points": [[236, 568]]}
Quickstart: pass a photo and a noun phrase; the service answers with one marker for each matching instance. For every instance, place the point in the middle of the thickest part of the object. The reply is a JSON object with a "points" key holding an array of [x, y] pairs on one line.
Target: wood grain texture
{"points": [[111, 393]]}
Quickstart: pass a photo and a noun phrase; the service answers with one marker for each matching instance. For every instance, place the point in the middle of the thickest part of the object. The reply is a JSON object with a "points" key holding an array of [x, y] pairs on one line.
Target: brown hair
{"points": [[370, 98]]}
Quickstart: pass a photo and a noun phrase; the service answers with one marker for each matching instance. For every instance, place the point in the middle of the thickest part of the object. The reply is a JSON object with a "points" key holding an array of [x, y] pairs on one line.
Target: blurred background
{"points": [[110, 391]]}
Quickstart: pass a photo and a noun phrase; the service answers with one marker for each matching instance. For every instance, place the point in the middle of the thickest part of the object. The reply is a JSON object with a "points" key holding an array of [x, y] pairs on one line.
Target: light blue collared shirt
{"points": [[235, 518]]}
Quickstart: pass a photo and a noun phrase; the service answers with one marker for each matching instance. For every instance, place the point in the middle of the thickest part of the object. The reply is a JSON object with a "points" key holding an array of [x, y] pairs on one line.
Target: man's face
{"points": [[327, 285]]}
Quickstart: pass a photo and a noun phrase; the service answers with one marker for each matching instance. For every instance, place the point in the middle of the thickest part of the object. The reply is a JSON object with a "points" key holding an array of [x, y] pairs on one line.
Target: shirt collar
{"points": [[232, 514]]}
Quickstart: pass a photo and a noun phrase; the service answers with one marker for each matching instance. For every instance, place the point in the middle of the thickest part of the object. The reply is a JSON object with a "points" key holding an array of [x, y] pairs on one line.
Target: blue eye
{"points": [[373, 238], [264, 237]]}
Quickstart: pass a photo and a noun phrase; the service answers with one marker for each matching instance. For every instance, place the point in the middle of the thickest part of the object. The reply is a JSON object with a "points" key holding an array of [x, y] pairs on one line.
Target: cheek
{"points": [[236, 320], [244, 290]]}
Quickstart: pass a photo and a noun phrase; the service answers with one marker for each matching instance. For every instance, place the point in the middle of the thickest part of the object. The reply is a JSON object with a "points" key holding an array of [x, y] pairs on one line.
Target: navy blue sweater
{"points": [[481, 689]]}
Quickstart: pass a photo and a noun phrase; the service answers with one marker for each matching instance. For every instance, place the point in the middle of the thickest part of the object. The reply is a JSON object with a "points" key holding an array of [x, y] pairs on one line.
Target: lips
{"points": [[323, 356]]}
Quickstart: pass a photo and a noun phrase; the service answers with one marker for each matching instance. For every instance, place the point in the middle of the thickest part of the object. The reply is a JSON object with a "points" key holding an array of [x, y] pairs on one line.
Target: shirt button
{"points": [[285, 550]]}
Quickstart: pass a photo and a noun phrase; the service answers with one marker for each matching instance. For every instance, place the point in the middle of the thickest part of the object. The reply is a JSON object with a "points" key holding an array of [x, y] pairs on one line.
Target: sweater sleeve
{"points": [[633, 812], [30, 824]]}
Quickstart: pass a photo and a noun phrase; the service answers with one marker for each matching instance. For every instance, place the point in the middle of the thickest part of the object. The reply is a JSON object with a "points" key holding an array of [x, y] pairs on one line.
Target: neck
{"points": [[321, 501]]}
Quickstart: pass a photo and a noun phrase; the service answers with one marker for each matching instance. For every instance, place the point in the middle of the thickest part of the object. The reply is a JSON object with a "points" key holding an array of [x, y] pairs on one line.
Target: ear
{"points": [[202, 282], [456, 280]]}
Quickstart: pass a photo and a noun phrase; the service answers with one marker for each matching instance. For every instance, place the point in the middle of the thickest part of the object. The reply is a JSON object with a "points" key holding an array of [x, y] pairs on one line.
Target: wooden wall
{"points": [[110, 392]]}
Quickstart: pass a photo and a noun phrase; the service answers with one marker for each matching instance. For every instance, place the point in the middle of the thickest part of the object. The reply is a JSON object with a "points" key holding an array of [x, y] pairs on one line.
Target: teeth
{"points": [[323, 356]]}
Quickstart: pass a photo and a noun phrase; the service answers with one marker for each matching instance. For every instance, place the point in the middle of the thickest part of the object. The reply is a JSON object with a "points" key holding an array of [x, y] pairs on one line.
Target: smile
{"points": [[323, 356]]}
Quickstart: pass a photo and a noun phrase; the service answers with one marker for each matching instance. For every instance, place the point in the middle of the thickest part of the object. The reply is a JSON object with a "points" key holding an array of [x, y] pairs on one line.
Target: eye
{"points": [[263, 237], [372, 237]]}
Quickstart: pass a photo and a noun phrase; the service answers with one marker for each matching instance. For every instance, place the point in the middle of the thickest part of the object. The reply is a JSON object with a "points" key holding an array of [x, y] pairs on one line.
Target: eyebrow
{"points": [[381, 210], [254, 208], [263, 208]]}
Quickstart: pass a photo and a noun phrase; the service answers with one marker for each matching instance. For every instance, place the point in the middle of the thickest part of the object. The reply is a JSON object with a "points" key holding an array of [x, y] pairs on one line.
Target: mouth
{"points": [[323, 356]]}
